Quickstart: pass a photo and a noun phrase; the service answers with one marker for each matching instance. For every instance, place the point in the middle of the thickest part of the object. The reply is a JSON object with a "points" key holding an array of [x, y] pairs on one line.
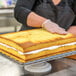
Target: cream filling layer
{"points": [[39, 50]]}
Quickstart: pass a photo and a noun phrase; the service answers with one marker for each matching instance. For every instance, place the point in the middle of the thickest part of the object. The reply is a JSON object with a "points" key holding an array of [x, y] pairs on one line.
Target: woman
{"points": [[55, 16]]}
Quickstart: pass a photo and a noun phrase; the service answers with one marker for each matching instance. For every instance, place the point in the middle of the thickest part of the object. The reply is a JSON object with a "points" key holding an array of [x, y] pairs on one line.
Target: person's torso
{"points": [[61, 14]]}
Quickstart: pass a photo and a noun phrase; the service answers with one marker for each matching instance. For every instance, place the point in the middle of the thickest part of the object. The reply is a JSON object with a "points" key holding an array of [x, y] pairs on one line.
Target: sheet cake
{"points": [[36, 43]]}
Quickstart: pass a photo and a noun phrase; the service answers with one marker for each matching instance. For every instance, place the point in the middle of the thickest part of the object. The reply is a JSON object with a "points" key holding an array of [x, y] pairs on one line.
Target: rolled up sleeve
{"points": [[22, 10]]}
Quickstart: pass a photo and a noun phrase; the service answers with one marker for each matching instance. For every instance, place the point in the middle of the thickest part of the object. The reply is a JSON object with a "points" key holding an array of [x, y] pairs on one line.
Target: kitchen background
{"points": [[7, 20]]}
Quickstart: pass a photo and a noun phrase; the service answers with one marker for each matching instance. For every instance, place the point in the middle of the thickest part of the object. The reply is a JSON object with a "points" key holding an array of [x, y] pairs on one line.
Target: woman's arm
{"points": [[24, 14], [35, 20]]}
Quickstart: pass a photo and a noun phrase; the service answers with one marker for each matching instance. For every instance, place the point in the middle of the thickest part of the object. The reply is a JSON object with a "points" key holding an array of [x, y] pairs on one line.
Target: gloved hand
{"points": [[53, 27]]}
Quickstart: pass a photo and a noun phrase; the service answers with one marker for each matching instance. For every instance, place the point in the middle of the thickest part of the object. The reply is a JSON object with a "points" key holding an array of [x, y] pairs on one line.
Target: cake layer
{"points": [[50, 55], [30, 40], [50, 52], [50, 44], [12, 56], [34, 54], [10, 43], [36, 58], [12, 51], [44, 46]]}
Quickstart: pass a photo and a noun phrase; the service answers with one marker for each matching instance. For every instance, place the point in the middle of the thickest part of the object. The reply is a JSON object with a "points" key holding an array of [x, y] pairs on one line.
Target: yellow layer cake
{"points": [[36, 43]]}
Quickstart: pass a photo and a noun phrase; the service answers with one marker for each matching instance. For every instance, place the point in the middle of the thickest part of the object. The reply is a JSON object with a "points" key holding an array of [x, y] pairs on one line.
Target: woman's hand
{"points": [[35, 20], [53, 27]]}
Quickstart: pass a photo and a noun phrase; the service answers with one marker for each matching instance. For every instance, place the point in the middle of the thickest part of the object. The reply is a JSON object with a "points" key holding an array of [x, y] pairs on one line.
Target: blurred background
{"points": [[7, 20]]}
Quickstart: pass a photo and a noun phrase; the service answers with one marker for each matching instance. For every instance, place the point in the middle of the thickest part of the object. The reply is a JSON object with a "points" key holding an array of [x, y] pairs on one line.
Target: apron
{"points": [[63, 16]]}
